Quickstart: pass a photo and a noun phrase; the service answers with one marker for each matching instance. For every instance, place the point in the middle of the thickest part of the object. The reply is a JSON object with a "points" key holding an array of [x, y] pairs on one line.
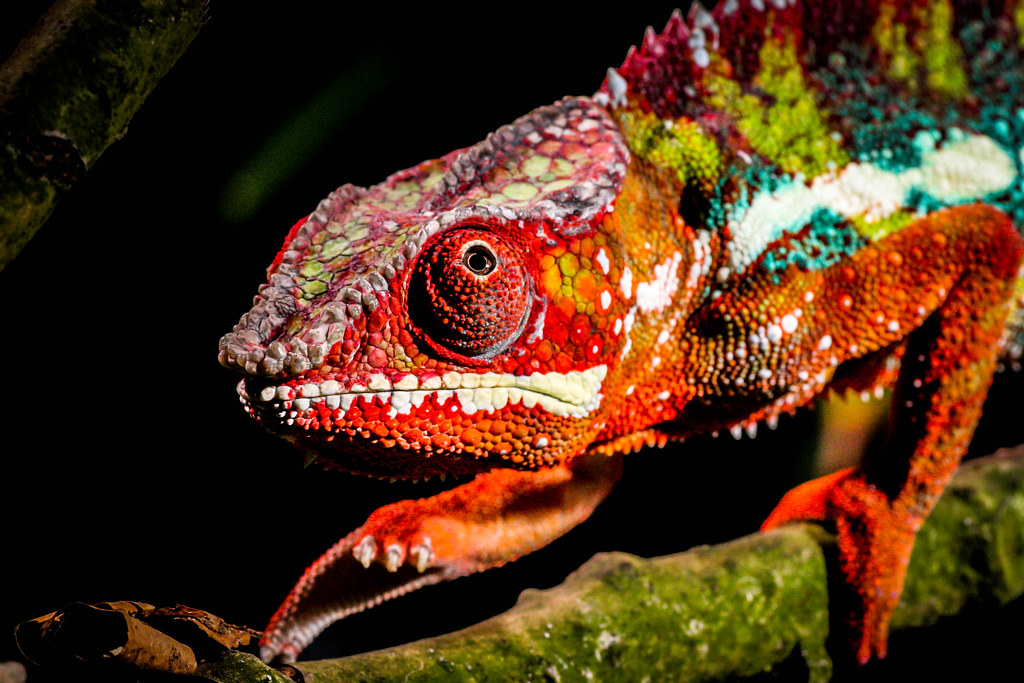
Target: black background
{"points": [[128, 469]]}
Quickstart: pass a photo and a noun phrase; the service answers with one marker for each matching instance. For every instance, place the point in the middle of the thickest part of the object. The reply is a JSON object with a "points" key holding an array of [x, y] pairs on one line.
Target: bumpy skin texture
{"points": [[761, 204]]}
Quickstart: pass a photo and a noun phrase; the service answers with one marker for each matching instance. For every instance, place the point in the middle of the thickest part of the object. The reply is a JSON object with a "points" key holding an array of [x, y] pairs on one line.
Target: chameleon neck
{"points": [[668, 271]]}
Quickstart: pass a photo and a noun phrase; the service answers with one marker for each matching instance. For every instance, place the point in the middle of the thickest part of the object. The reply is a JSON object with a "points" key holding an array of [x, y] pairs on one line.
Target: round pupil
{"points": [[479, 260]]}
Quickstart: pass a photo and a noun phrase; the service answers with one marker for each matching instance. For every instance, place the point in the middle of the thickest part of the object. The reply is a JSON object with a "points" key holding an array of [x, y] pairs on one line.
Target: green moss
{"points": [[231, 666], [734, 611], [78, 78], [26, 201], [738, 609], [971, 550]]}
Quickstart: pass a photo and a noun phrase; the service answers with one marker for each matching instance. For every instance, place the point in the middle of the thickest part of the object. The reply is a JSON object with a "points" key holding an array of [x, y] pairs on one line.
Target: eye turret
{"points": [[469, 293]]}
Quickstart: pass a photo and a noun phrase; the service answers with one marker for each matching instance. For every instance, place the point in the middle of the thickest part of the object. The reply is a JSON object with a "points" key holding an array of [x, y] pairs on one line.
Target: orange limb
{"points": [[964, 259], [496, 518]]}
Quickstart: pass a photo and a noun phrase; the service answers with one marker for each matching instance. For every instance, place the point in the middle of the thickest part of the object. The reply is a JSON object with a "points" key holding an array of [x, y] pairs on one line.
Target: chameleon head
{"points": [[456, 317]]}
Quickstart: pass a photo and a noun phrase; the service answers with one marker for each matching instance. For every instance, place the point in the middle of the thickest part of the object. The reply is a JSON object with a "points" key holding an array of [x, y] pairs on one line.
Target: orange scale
{"points": [[579, 329], [565, 307], [544, 351], [377, 320], [377, 358], [550, 148], [470, 420], [471, 436], [585, 285], [574, 150], [563, 362], [510, 365]]}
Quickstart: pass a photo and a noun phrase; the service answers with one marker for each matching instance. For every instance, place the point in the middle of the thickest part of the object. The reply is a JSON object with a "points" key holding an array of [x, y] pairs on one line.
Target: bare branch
{"points": [[69, 90]]}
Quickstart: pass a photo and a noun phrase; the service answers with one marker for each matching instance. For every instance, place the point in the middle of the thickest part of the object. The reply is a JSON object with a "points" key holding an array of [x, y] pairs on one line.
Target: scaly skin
{"points": [[759, 205]]}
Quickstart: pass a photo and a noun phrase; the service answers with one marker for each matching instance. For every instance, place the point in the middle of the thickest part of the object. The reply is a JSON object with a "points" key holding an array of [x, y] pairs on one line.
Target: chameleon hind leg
{"points": [[956, 275]]}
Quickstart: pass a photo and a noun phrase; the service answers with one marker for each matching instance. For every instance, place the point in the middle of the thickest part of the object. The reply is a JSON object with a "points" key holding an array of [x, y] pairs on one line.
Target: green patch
{"points": [[783, 121], [680, 146], [922, 56], [877, 229]]}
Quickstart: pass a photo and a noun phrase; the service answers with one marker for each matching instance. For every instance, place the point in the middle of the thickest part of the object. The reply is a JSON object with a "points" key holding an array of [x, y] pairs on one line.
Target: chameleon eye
{"points": [[468, 293], [479, 259]]}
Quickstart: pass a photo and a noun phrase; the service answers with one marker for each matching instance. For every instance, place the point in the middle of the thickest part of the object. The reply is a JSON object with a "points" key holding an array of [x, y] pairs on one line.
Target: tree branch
{"points": [[69, 90], [732, 610]]}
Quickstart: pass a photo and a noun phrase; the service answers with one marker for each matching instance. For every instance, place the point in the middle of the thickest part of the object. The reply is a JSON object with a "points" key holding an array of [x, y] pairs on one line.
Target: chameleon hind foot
{"points": [[875, 539]]}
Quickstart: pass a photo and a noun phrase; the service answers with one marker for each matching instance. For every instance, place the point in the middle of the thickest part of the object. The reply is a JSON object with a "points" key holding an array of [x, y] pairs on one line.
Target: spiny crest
{"points": [[559, 168], [666, 74], [663, 75]]}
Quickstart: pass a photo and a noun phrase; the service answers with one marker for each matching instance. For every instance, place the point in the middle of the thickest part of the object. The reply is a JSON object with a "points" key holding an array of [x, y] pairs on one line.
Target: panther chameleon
{"points": [[764, 203]]}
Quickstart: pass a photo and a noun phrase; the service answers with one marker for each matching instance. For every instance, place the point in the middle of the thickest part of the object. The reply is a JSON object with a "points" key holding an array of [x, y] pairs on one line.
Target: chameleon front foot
{"points": [[494, 519], [345, 580]]}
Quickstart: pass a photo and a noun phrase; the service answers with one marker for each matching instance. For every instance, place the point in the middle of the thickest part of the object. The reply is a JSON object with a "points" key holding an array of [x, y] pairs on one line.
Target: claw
{"points": [[394, 557], [421, 555], [365, 551], [491, 520]]}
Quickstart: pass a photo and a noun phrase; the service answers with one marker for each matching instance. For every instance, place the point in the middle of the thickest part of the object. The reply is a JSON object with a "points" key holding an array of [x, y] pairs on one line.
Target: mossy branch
{"points": [[69, 90], [732, 610]]}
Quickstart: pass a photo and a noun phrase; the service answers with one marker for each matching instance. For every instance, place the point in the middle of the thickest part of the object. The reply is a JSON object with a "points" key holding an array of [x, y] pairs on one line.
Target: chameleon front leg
{"points": [[496, 518], [967, 260]]}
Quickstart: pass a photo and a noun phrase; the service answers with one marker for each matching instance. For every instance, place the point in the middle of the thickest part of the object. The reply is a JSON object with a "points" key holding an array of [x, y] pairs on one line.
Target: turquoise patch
{"points": [[825, 240]]}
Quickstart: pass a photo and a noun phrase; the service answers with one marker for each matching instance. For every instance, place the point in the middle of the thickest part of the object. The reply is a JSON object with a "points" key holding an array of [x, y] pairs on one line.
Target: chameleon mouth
{"points": [[575, 394]]}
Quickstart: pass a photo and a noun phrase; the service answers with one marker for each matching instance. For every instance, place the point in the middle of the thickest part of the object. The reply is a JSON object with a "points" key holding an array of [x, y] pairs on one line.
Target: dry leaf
{"points": [[133, 633]]}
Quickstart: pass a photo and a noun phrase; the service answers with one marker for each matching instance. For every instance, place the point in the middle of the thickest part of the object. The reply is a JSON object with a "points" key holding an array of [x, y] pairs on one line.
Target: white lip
{"points": [[572, 394]]}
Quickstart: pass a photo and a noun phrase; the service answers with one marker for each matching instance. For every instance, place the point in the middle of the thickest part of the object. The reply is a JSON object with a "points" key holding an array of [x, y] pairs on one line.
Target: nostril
{"points": [[241, 351]]}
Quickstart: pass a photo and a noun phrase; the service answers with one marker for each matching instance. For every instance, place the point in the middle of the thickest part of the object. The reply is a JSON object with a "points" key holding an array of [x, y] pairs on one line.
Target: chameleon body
{"points": [[763, 203]]}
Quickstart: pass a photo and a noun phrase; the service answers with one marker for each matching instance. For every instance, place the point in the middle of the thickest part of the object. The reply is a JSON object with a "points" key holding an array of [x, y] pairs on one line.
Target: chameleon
{"points": [[767, 202]]}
